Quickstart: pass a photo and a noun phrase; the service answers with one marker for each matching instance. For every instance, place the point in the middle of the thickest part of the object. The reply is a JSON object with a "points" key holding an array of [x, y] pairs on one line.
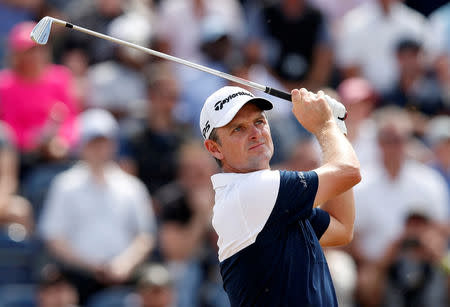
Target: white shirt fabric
{"points": [[243, 203], [97, 221], [382, 204], [367, 38]]}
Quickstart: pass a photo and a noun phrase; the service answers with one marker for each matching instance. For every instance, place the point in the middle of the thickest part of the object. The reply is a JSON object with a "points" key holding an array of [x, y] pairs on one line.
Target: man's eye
{"points": [[237, 129], [260, 121]]}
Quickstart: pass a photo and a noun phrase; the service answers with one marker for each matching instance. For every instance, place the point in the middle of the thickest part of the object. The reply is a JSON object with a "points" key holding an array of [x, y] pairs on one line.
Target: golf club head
{"points": [[41, 31]]}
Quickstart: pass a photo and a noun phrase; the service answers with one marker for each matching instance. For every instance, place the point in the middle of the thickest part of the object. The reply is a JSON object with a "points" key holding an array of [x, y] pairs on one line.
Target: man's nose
{"points": [[255, 133]]}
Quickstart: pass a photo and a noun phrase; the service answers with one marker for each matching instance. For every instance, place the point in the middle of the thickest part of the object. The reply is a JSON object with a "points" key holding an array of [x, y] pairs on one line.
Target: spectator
{"points": [[54, 289], [153, 148], [118, 85], [186, 206], [95, 15], [155, 287], [359, 98], [97, 220], [391, 185], [400, 181], [299, 63], [373, 56], [36, 98], [179, 24], [416, 89], [411, 264]]}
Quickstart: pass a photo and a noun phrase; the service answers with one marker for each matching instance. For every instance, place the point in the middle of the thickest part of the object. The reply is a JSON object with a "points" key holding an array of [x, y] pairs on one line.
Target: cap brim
{"points": [[262, 103]]}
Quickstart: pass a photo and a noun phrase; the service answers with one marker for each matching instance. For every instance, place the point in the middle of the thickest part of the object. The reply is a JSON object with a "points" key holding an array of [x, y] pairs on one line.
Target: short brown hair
{"points": [[214, 137]]}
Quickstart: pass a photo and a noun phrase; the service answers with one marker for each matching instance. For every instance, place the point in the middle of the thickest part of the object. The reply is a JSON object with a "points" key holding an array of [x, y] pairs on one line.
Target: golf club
{"points": [[41, 33]]}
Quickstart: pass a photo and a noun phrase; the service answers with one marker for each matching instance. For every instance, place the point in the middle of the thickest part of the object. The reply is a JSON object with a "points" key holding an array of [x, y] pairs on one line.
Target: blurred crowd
{"points": [[105, 192]]}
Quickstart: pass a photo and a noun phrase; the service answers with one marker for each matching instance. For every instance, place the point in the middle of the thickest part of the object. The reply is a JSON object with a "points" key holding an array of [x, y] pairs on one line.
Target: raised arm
{"points": [[340, 169]]}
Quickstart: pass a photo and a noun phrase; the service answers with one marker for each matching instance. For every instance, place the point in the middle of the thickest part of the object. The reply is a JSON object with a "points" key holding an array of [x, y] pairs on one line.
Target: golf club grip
{"points": [[278, 93]]}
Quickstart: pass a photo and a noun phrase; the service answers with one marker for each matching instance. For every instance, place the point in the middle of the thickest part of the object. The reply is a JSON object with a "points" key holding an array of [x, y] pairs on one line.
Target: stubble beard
{"points": [[260, 161]]}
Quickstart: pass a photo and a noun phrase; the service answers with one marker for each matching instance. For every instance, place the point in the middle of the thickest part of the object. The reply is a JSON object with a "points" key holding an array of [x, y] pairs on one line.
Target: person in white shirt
{"points": [[97, 219], [366, 40], [392, 185], [179, 24]]}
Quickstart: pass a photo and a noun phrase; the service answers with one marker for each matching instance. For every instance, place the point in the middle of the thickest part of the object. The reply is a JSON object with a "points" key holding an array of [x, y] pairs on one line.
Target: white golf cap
{"points": [[97, 123], [220, 108]]}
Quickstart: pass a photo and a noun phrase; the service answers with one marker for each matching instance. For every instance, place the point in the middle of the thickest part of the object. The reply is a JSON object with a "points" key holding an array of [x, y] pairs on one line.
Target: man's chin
{"points": [[261, 161]]}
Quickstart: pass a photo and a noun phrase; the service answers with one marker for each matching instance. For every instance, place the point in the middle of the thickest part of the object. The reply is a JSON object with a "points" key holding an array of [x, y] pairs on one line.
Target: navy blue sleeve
{"points": [[320, 220], [295, 196]]}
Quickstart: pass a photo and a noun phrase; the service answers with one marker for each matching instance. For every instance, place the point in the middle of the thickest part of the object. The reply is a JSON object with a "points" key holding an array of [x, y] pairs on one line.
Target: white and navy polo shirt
{"points": [[269, 233]]}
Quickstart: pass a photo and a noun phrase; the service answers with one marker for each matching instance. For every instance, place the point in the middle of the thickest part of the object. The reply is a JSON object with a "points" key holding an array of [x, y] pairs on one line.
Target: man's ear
{"points": [[213, 149]]}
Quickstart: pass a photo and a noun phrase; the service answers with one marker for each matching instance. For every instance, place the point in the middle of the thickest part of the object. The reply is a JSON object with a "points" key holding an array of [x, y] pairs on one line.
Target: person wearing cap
{"points": [[36, 96], [269, 224], [118, 84], [97, 219]]}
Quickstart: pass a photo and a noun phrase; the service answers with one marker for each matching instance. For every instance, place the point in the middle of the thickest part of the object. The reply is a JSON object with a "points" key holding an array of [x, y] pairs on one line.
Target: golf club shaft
{"points": [[266, 89]]}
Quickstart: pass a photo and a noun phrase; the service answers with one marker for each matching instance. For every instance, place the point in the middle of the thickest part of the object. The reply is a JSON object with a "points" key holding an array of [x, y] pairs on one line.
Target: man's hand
{"points": [[311, 110], [339, 113]]}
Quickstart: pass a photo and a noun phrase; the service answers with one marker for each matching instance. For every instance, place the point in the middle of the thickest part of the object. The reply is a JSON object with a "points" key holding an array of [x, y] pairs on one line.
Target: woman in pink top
{"points": [[36, 97]]}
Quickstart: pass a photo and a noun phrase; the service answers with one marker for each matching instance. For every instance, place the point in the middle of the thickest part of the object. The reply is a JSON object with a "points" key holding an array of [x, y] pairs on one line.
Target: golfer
{"points": [[271, 224]]}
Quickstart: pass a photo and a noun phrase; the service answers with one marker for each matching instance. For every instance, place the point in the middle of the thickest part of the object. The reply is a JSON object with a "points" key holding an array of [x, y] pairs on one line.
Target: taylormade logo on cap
{"points": [[221, 107]]}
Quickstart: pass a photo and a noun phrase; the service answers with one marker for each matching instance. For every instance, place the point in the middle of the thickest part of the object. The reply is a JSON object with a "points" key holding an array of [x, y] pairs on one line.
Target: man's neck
{"points": [[229, 169]]}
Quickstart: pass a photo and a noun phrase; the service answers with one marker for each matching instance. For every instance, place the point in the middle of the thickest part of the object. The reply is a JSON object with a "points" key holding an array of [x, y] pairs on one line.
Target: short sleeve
{"points": [[320, 220], [295, 196]]}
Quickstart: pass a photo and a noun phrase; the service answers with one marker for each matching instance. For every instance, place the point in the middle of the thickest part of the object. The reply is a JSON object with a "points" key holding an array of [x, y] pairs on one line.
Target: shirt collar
{"points": [[223, 179]]}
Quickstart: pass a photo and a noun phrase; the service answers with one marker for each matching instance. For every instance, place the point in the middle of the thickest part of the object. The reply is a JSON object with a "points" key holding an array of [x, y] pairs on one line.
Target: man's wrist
{"points": [[325, 128]]}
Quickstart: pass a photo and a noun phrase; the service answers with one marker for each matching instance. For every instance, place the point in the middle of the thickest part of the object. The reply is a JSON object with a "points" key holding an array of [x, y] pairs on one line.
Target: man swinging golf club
{"points": [[269, 224]]}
